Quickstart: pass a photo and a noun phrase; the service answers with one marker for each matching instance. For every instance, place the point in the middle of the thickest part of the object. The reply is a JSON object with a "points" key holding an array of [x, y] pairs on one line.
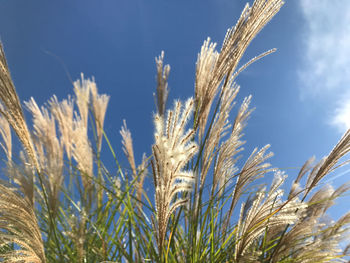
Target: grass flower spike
{"points": [[172, 150]]}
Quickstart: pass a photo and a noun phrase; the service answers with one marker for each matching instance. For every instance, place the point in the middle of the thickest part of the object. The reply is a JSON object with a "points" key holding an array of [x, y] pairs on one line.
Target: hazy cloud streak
{"points": [[326, 69]]}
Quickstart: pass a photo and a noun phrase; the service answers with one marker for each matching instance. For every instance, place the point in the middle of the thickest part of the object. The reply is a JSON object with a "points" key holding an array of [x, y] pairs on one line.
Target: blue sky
{"points": [[301, 92]]}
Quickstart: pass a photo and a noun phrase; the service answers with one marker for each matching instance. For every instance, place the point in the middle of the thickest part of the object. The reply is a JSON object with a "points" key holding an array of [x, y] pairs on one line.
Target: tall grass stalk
{"points": [[59, 202]]}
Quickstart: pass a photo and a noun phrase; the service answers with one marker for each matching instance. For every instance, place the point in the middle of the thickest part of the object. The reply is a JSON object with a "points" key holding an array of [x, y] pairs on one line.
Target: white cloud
{"points": [[326, 68], [341, 116]]}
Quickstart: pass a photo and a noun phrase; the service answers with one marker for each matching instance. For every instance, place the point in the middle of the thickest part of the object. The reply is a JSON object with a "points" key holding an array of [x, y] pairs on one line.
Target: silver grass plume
{"points": [[264, 212], [313, 238], [18, 225], [82, 93], [320, 201], [318, 241], [307, 166], [82, 153], [226, 159], [339, 192], [205, 74], [64, 113], [11, 109], [318, 204], [254, 168], [128, 147], [219, 129], [81, 148], [99, 107], [233, 145], [329, 163], [49, 151], [162, 84], [172, 150], [213, 67]]}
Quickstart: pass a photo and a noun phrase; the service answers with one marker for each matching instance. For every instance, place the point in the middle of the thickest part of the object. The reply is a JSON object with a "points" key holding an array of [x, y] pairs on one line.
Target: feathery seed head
{"points": [[162, 84], [64, 113], [206, 84], [82, 153], [99, 105], [82, 92], [49, 150], [172, 150], [265, 212], [128, 147]]}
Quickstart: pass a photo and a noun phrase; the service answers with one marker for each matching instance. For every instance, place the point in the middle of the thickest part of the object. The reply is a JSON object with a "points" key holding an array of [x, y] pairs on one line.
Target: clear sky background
{"points": [[301, 92]]}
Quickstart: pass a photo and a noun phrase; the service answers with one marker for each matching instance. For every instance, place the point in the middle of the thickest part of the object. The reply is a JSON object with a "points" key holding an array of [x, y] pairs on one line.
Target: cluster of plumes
{"points": [[270, 227], [265, 215], [49, 151], [316, 238], [254, 168], [81, 149], [44, 157], [72, 138], [214, 67], [229, 148], [263, 212], [312, 236], [172, 150], [215, 78]]}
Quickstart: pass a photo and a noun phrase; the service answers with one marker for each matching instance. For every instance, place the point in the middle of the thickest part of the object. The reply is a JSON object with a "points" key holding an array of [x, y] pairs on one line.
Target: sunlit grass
{"points": [[59, 202]]}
